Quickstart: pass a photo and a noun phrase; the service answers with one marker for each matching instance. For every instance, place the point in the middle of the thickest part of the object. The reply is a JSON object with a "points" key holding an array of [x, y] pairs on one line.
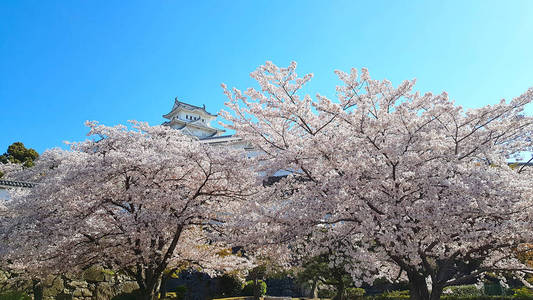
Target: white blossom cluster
{"points": [[141, 200], [413, 185], [390, 182]]}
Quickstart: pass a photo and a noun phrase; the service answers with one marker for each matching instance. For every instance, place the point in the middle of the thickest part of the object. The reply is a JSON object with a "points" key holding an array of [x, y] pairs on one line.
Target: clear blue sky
{"points": [[64, 62]]}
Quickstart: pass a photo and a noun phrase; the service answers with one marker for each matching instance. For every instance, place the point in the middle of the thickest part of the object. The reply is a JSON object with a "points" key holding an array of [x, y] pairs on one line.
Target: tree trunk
{"points": [[150, 289], [148, 294], [418, 289], [163, 289], [340, 291], [37, 287], [257, 295], [314, 289], [436, 292]]}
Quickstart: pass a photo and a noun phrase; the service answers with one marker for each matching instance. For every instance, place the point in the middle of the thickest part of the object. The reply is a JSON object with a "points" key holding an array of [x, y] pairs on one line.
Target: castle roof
{"points": [[11, 183], [179, 105]]}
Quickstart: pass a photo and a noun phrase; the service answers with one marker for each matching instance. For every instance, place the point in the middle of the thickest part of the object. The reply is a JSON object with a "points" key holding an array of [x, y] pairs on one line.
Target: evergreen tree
{"points": [[17, 153]]}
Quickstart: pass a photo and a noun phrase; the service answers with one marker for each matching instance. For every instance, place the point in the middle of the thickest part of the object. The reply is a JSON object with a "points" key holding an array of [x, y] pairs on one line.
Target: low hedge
{"points": [[14, 295], [481, 297], [355, 293], [235, 298], [463, 291]]}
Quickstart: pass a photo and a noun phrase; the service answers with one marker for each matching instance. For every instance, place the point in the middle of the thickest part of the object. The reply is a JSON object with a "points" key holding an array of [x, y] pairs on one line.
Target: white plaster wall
{"points": [[199, 132], [182, 115]]}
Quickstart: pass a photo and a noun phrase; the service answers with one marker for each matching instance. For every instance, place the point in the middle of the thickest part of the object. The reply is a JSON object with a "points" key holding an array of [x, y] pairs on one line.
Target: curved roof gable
{"points": [[178, 105]]}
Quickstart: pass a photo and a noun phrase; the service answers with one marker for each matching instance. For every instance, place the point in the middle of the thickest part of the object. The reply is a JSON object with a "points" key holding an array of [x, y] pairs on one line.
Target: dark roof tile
{"points": [[12, 183]]}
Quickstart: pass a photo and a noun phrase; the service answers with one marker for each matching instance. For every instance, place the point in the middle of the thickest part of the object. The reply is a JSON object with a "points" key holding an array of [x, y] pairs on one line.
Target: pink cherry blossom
{"points": [[139, 200], [417, 187]]}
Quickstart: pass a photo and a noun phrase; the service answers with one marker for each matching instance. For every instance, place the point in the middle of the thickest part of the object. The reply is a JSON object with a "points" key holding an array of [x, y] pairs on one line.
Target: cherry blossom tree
{"points": [[419, 187], [139, 200], [12, 278], [9, 168]]}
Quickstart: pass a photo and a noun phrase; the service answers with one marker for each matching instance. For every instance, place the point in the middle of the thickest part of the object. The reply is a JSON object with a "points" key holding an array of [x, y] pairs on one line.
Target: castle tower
{"points": [[191, 119]]}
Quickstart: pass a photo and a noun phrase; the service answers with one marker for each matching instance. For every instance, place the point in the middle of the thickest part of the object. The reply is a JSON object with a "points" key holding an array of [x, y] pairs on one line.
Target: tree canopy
{"points": [[382, 182], [418, 187], [138, 200], [17, 153]]}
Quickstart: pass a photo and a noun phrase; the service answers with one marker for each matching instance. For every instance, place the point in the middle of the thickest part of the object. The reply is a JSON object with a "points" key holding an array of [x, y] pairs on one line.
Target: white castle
{"points": [[196, 121], [192, 120]]}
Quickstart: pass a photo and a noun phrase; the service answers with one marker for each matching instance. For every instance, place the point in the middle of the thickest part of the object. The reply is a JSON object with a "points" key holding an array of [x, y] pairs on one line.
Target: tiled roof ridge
{"points": [[217, 137], [178, 103], [191, 105], [16, 183]]}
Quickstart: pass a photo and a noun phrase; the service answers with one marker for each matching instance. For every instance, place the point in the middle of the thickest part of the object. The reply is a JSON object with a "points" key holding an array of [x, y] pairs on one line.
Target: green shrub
{"points": [[393, 294], [250, 287], [383, 297], [355, 293], [462, 291], [482, 297], [523, 293], [495, 289], [14, 295], [177, 294], [127, 296], [444, 297], [180, 292], [229, 286], [326, 293]]}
